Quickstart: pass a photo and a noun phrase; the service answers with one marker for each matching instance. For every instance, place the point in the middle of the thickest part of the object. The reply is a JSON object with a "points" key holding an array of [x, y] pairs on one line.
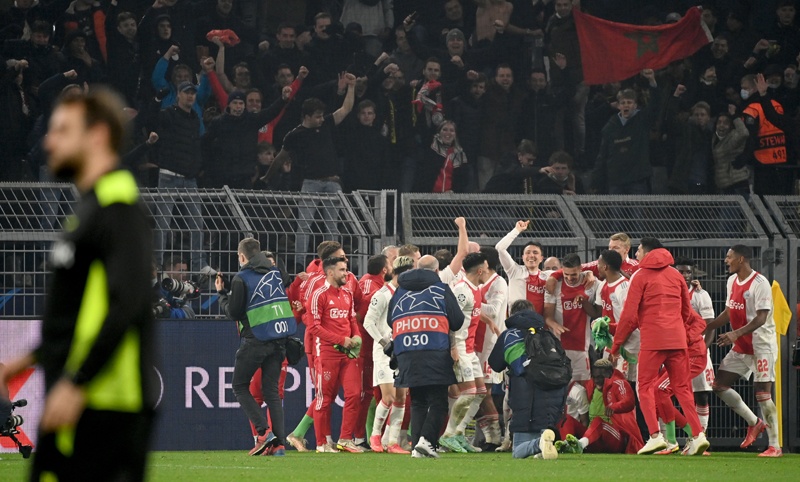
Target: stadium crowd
{"points": [[458, 95]]}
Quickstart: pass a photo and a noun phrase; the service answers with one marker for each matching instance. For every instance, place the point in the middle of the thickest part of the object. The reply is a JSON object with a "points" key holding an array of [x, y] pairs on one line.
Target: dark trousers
{"points": [[428, 412], [267, 355], [108, 446]]}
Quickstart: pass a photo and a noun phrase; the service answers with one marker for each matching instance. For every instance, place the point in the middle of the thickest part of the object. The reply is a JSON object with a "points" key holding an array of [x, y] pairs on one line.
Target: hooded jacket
{"points": [[658, 304], [534, 409], [419, 368], [234, 303], [618, 396]]}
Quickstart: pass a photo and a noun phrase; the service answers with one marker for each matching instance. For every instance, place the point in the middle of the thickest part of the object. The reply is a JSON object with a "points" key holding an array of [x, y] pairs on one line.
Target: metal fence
{"points": [[786, 212], [193, 229]]}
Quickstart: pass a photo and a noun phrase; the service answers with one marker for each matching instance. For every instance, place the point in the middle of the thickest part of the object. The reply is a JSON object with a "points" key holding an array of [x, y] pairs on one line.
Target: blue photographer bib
{"points": [[419, 320], [268, 310]]}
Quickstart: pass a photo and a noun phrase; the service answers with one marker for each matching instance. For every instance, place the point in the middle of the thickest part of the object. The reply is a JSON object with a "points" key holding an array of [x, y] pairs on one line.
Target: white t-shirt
{"points": [[375, 321], [577, 401], [748, 297]]}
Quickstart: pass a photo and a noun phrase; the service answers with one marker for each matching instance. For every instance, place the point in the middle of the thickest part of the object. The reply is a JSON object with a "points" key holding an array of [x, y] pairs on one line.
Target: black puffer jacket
{"points": [[231, 144], [178, 145]]}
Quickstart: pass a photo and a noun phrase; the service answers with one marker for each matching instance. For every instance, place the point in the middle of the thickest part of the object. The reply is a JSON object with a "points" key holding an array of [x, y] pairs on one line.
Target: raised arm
{"points": [[349, 99]]}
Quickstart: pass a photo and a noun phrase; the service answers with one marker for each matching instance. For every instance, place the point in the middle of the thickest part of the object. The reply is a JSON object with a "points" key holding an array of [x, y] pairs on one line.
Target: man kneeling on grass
{"points": [[534, 409]]}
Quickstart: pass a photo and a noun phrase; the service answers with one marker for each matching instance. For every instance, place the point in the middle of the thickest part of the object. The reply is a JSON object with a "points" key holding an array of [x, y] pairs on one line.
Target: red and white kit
{"points": [[469, 298], [610, 297], [334, 320], [568, 301]]}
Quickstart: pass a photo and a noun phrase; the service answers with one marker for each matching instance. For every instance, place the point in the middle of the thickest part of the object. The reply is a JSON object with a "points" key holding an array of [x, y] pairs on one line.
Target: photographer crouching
{"points": [[258, 303], [172, 292]]}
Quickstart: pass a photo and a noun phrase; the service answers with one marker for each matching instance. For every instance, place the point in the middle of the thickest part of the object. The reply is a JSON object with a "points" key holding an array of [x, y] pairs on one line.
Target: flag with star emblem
{"points": [[612, 51]]}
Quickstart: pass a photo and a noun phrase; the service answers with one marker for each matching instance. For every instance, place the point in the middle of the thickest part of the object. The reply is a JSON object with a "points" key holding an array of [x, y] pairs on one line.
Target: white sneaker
{"points": [[416, 455], [654, 444], [698, 444], [328, 448], [425, 448], [546, 446]]}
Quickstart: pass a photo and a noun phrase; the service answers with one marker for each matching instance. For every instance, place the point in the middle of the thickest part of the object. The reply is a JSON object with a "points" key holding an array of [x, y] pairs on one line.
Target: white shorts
{"points": [[704, 381], [483, 358], [631, 370], [761, 365], [581, 371], [468, 368], [381, 373]]}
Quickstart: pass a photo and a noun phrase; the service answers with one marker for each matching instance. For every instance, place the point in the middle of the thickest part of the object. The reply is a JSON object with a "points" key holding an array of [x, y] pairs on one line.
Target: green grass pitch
{"points": [[237, 466]]}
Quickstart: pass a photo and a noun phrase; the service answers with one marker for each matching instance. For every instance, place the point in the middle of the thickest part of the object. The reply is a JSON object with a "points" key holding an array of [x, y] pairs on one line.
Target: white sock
{"points": [[474, 406], [703, 413], [491, 428], [329, 439], [584, 442], [770, 413], [395, 421], [459, 411], [381, 412], [450, 402], [735, 402], [507, 416], [359, 440]]}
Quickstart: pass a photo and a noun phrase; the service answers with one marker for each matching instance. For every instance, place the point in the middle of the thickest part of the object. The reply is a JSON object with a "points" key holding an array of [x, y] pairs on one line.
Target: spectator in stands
{"points": [[83, 16], [465, 111], [180, 74], [787, 97], [395, 117], [231, 142], [693, 170], [520, 177], [561, 37], [435, 171], [559, 177], [457, 58], [124, 56], [488, 13], [283, 52], [376, 19], [17, 114], [539, 109], [89, 69], [279, 182], [501, 109], [327, 48], [364, 149], [222, 17], [727, 144], [784, 35], [253, 100], [21, 13], [43, 59], [183, 17], [741, 39], [179, 158], [454, 17], [727, 69], [623, 164], [402, 55]]}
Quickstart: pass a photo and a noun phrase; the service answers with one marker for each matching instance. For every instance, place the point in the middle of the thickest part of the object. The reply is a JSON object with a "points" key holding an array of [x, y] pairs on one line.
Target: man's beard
{"points": [[387, 277], [68, 169]]}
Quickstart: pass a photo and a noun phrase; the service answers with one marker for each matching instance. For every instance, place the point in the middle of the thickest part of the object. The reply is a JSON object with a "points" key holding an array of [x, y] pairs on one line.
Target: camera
{"points": [[9, 423], [161, 308], [181, 289]]}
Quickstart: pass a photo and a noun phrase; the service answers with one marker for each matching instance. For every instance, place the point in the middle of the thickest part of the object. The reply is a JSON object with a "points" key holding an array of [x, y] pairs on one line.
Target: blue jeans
{"points": [[307, 210], [163, 216], [525, 444]]}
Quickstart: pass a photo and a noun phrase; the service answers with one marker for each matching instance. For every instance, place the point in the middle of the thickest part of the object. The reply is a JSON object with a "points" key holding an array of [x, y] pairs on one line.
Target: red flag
{"points": [[612, 51]]}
